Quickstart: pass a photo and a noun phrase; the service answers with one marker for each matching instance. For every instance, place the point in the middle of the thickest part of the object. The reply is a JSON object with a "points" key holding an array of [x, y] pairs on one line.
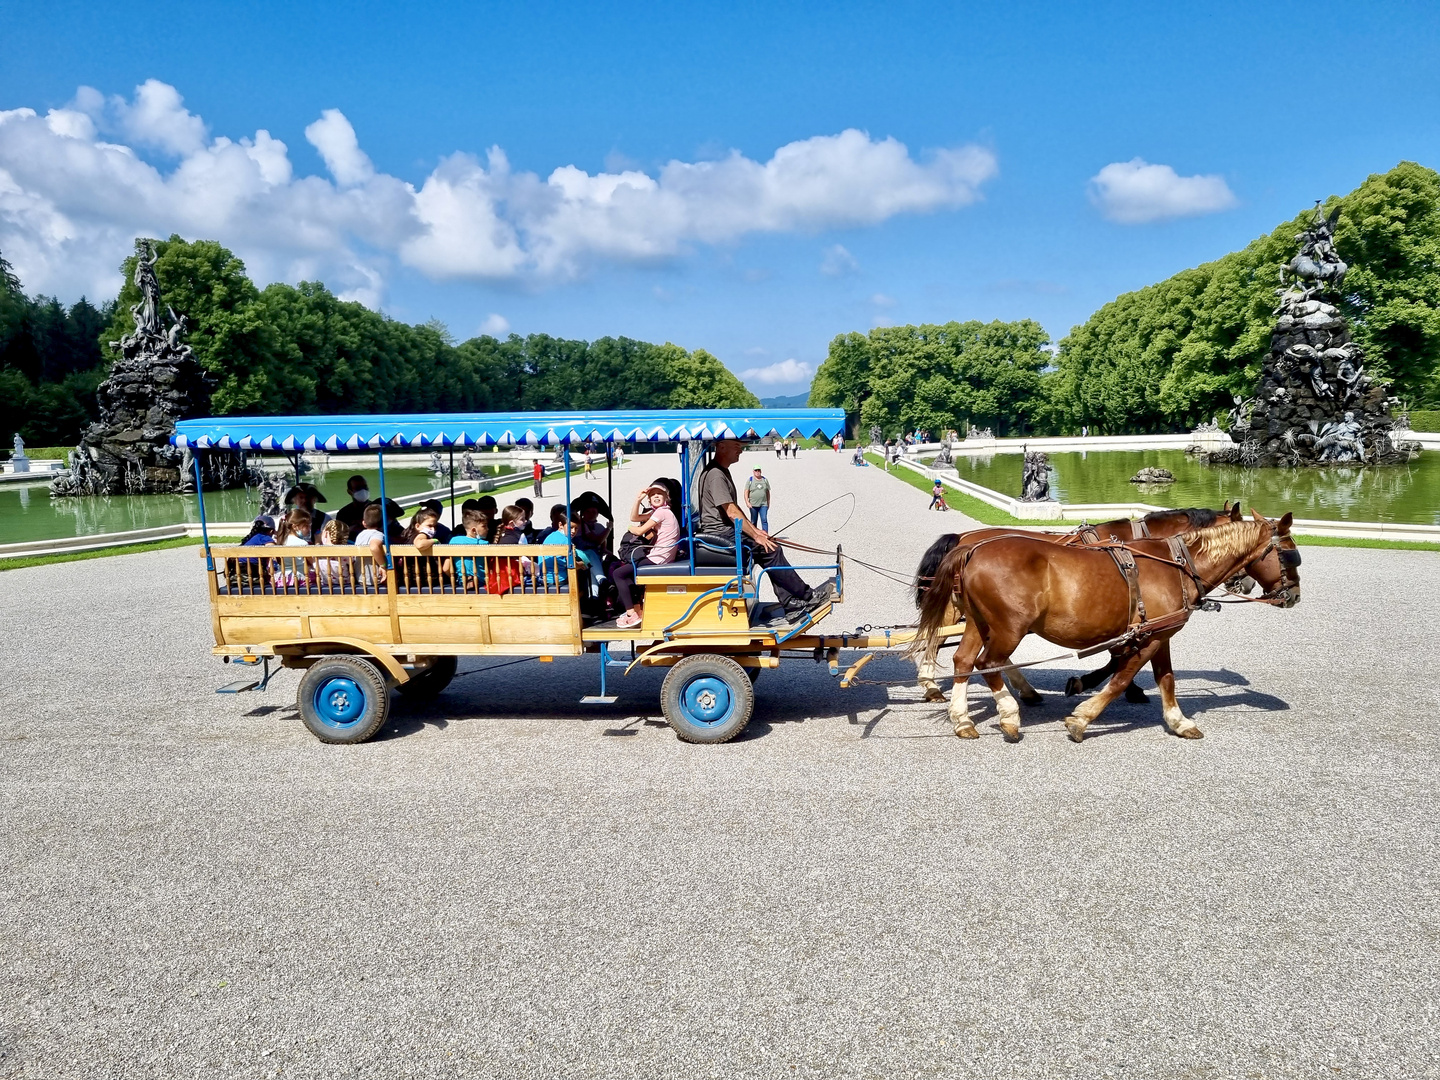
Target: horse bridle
{"points": [[1286, 593]]}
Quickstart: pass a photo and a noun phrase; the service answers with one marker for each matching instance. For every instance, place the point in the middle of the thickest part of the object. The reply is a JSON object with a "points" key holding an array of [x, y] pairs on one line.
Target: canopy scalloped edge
{"points": [[333, 433]]}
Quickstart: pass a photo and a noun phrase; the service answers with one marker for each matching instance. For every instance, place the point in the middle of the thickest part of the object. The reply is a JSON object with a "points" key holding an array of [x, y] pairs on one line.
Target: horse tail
{"points": [[946, 585], [930, 564]]}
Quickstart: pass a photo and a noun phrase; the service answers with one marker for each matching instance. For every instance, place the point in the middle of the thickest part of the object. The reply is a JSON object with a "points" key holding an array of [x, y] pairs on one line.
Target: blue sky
{"points": [[1014, 194]]}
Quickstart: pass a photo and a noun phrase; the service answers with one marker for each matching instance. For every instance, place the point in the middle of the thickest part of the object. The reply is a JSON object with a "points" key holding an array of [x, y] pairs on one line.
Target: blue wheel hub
{"points": [[707, 701], [340, 702]]}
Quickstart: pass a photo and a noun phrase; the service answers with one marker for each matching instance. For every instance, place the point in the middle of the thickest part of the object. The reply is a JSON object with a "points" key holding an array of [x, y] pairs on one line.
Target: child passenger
{"points": [[476, 527], [371, 536], [294, 531], [661, 523], [333, 573]]}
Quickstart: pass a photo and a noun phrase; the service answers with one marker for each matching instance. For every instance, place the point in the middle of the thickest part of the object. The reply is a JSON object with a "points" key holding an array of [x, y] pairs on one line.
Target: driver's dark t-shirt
{"points": [[716, 489]]}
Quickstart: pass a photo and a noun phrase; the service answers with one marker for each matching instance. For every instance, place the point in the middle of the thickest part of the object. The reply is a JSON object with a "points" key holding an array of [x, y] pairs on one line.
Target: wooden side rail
{"points": [[274, 570]]}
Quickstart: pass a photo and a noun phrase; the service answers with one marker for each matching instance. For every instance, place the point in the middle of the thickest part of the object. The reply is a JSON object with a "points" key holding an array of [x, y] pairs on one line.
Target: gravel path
{"points": [[512, 884]]}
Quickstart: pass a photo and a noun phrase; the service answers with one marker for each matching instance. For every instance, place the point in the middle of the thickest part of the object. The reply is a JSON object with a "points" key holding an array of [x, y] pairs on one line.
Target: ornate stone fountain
{"points": [[1313, 404], [155, 382]]}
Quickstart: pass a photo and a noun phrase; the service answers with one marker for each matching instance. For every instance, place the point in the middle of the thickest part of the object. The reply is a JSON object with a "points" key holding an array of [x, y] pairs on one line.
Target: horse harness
{"points": [[1141, 627]]}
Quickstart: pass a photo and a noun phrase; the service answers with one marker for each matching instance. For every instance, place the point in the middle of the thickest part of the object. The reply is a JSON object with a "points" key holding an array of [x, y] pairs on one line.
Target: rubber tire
{"points": [[430, 683], [354, 674], [727, 679]]}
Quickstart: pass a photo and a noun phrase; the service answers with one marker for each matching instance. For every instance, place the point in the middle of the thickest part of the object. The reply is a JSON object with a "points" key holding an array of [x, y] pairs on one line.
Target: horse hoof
{"points": [[934, 693], [1190, 733], [967, 731], [1033, 699], [1011, 732], [1136, 696], [1073, 686], [1075, 728]]}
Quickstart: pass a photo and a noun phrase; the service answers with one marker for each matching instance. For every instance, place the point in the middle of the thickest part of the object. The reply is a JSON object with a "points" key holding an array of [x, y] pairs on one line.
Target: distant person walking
{"points": [[539, 474], [589, 463], [757, 494]]}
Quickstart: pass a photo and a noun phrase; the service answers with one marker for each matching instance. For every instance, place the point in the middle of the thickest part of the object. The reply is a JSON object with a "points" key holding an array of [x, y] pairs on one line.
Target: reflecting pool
{"points": [[1401, 493]]}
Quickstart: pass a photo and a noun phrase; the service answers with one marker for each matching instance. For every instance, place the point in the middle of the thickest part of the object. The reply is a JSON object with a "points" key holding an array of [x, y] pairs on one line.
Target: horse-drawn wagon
{"points": [[357, 630]]}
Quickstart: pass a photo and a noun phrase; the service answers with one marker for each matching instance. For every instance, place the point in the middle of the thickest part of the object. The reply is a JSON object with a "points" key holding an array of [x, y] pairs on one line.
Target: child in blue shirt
{"points": [[477, 531]]}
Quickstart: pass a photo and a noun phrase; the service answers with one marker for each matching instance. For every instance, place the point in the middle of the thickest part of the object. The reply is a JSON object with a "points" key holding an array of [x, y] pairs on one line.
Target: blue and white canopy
{"points": [[501, 429]]}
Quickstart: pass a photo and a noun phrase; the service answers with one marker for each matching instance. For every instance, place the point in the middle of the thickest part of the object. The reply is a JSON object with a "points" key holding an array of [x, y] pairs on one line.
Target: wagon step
{"points": [[244, 686], [238, 687]]}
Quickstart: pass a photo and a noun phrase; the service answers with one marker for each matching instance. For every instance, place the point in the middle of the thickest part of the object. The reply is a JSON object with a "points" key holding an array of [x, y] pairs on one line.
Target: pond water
{"points": [[1400, 493], [28, 513]]}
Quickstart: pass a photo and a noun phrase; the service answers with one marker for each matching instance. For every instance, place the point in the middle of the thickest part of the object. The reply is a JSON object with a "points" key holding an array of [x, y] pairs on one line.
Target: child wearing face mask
{"points": [[294, 531], [421, 533]]}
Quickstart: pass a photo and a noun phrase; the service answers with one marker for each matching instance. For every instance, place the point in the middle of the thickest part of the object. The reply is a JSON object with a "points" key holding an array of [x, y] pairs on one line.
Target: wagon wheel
{"points": [[343, 699], [707, 699], [427, 684]]}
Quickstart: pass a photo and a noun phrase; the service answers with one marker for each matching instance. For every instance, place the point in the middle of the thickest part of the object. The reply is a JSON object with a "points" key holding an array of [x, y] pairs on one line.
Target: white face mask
{"points": [[361, 495]]}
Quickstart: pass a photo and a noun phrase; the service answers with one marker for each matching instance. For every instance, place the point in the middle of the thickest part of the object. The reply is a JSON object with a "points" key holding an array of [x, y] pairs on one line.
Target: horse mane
{"points": [[1199, 517], [1225, 541], [930, 564]]}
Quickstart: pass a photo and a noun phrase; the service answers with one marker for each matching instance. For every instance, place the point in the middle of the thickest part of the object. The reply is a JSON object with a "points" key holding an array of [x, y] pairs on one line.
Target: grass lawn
{"points": [[101, 553], [1358, 542]]}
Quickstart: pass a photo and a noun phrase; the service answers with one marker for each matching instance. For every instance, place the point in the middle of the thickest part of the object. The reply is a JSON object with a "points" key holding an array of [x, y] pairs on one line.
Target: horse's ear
{"points": [[1256, 514], [1236, 514], [1286, 522]]}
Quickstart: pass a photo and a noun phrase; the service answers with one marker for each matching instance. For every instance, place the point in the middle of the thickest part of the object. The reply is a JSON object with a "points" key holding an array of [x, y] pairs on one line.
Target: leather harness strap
{"points": [[1140, 530], [1125, 561]]}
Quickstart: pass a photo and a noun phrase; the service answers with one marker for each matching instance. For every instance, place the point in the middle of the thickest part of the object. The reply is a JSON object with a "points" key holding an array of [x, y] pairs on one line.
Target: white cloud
{"points": [[495, 325], [1136, 192], [71, 202], [157, 117], [881, 300], [838, 262], [333, 136], [780, 373]]}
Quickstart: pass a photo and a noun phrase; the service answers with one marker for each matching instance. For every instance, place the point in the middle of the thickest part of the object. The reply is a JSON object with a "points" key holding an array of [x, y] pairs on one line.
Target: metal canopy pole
{"points": [[569, 532], [204, 530], [384, 507], [452, 485], [610, 489]]}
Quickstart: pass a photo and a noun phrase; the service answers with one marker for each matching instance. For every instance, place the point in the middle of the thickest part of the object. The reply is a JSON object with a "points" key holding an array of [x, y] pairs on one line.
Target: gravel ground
{"points": [[513, 884]]}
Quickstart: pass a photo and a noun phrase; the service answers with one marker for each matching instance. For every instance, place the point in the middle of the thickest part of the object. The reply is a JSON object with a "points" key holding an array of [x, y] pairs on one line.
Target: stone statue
{"points": [[1240, 414], [437, 465], [468, 469], [154, 382], [944, 459], [1035, 480], [877, 435], [1318, 264], [18, 461], [1341, 441], [272, 493], [147, 312], [1351, 378]]}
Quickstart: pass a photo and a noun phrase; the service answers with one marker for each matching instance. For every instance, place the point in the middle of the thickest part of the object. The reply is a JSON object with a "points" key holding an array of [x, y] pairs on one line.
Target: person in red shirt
{"points": [[539, 475]]}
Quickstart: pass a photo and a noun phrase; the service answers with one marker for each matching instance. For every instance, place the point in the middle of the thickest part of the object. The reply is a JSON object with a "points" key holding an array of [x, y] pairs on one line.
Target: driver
{"points": [[719, 509]]}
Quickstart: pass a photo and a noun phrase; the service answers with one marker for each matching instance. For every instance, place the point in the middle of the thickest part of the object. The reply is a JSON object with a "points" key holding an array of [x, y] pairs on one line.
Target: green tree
{"points": [[1171, 355], [937, 376]]}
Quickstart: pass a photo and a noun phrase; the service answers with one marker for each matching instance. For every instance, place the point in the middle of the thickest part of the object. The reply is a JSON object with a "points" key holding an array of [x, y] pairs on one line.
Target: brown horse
{"points": [[1158, 525], [1075, 596]]}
